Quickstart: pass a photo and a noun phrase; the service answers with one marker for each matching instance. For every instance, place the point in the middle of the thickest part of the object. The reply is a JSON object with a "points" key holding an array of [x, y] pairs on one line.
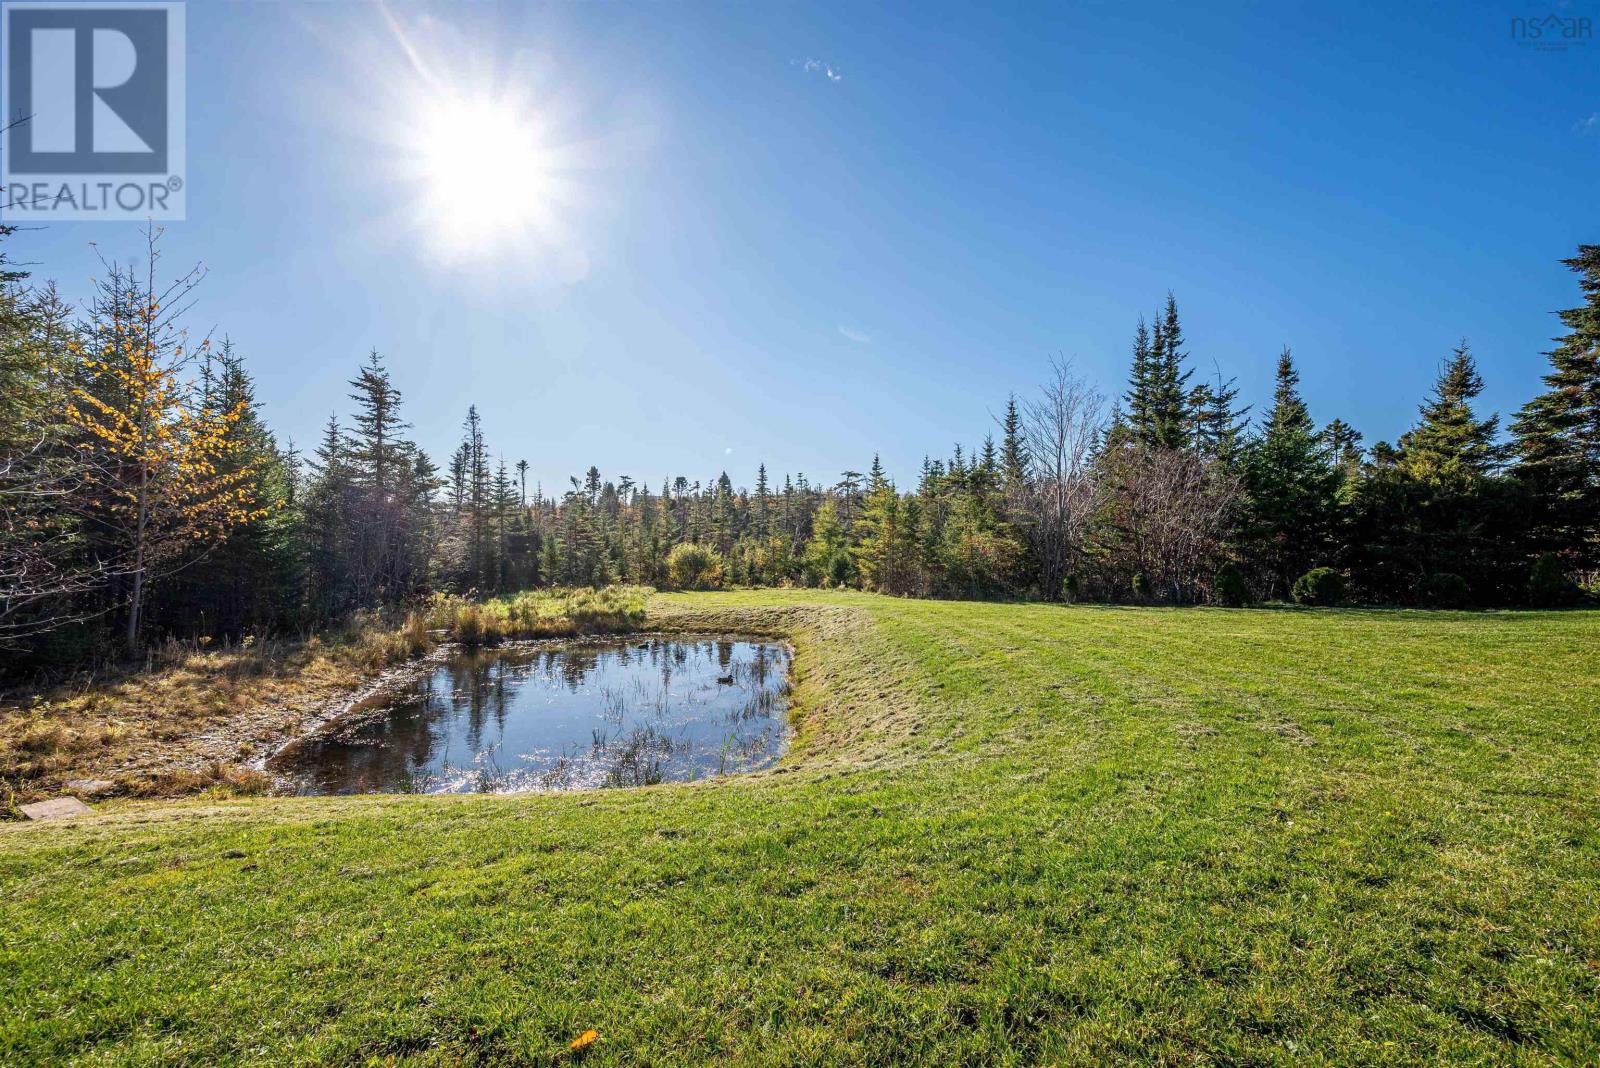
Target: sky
{"points": [[802, 234]]}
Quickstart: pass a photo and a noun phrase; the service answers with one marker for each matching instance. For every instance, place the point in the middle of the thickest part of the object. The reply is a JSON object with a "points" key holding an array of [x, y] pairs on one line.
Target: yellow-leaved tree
{"points": [[155, 448]]}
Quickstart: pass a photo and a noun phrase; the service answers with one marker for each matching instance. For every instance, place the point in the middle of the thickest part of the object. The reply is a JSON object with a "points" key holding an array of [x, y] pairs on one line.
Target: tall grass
{"points": [[554, 613]]}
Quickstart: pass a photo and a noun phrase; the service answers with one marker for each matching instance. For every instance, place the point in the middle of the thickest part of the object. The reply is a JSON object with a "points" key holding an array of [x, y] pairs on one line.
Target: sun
{"points": [[484, 177], [483, 154]]}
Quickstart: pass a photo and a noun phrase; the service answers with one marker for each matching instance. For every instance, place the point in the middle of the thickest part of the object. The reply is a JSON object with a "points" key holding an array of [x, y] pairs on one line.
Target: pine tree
{"points": [[157, 449], [1557, 434], [1218, 423], [1013, 448], [377, 450], [1292, 487], [827, 557], [1434, 505], [1344, 446], [880, 554], [254, 573], [761, 517], [1450, 444], [1138, 417], [1168, 381], [475, 457]]}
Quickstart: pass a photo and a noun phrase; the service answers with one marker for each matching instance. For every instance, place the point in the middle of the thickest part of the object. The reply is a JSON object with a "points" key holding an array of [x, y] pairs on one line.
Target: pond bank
{"points": [[205, 719]]}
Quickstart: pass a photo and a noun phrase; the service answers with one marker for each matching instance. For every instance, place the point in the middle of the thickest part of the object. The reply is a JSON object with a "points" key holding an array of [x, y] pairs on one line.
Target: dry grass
{"points": [[175, 727], [557, 613], [197, 715]]}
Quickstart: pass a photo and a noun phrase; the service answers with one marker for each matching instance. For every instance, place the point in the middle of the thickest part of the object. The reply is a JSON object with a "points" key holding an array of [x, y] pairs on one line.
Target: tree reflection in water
{"points": [[612, 713]]}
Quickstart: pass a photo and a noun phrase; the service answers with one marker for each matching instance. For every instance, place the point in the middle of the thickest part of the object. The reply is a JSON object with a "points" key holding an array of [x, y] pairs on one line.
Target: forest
{"points": [[144, 495]]}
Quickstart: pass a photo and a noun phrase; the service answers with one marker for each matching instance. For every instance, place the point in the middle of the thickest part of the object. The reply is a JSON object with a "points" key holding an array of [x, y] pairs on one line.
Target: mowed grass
{"points": [[1005, 834]]}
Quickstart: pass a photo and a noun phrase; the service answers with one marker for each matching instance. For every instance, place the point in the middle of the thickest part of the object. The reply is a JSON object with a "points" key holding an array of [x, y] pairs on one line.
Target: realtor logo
{"points": [[94, 108]]}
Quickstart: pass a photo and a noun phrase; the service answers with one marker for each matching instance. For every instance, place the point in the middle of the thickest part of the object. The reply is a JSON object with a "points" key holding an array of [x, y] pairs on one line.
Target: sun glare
{"points": [[485, 156], [484, 177]]}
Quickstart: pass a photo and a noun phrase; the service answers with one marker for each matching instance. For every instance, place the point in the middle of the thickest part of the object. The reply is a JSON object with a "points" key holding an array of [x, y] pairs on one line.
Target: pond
{"points": [[552, 717]]}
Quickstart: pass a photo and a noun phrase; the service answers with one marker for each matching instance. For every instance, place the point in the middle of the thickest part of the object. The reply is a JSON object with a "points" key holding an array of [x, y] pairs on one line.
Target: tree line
{"points": [[143, 495]]}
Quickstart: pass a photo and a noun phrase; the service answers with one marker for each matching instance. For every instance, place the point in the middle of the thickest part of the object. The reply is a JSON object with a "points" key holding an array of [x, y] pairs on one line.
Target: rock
{"points": [[90, 787], [54, 808]]}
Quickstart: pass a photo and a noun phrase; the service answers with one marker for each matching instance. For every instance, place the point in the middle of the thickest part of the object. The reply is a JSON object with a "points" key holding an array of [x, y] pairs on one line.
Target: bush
{"points": [[1229, 587], [1548, 584], [1444, 590], [841, 570], [694, 567], [1321, 586]]}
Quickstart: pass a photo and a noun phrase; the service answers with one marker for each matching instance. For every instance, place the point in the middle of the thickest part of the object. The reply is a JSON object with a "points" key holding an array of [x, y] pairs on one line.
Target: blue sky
{"points": [[746, 256]]}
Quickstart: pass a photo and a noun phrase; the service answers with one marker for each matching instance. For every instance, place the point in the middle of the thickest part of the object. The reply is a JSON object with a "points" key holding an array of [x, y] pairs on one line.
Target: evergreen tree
{"points": [[1557, 434], [1013, 447], [763, 503], [1450, 444], [1168, 379], [1139, 418], [1435, 505], [1219, 423], [1292, 487], [827, 559]]}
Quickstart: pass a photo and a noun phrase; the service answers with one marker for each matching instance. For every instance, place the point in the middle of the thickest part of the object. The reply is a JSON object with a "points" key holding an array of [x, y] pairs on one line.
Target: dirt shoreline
{"points": [[207, 722]]}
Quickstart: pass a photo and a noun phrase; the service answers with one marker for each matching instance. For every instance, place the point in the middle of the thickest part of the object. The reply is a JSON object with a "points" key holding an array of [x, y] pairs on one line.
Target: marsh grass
{"points": [[556, 613]]}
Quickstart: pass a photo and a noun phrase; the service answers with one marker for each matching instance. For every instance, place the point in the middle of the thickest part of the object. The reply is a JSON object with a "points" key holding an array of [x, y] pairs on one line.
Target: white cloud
{"points": [[855, 335], [827, 70], [727, 451], [1589, 125]]}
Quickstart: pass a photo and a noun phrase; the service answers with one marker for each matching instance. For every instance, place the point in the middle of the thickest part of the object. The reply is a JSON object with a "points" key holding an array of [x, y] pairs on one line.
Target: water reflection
{"points": [[612, 713]]}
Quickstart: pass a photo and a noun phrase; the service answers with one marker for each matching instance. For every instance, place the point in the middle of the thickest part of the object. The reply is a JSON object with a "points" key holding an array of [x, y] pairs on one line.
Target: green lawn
{"points": [[1006, 834]]}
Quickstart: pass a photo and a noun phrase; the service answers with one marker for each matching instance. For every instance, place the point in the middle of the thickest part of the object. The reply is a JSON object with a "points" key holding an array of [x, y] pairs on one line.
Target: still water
{"points": [[581, 714]]}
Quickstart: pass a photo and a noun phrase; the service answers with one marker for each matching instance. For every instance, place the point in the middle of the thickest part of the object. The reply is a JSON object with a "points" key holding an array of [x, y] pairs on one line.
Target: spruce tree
{"points": [[1557, 434], [1138, 417], [1013, 447], [1292, 487], [1433, 505], [763, 503], [1450, 444], [1168, 383], [1219, 422]]}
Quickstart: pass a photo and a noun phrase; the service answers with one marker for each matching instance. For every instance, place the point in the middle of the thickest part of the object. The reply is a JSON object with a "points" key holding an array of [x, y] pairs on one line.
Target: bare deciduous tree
{"points": [[1166, 513], [1061, 425]]}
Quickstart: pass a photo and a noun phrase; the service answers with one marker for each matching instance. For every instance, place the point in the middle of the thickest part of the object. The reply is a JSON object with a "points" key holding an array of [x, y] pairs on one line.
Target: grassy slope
{"points": [[1007, 834]]}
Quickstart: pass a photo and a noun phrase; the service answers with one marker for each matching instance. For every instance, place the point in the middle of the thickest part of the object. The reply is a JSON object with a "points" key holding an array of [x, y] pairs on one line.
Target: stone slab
{"points": [[54, 808]]}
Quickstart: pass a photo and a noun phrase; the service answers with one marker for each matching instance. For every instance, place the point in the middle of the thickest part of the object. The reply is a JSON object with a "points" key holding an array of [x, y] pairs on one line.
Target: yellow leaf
{"points": [[585, 1040]]}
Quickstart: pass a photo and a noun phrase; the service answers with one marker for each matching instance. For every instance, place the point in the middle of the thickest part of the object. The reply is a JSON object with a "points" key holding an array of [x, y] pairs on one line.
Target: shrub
{"points": [[1229, 588], [1321, 586], [1548, 584], [841, 569], [1070, 588], [1444, 590], [694, 567]]}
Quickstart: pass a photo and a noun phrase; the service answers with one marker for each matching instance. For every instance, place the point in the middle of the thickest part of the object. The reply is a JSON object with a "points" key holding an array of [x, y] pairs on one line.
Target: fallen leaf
{"points": [[584, 1040]]}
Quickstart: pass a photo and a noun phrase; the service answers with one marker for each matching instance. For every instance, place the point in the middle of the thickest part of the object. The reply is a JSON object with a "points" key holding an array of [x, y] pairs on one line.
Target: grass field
{"points": [[1005, 834]]}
